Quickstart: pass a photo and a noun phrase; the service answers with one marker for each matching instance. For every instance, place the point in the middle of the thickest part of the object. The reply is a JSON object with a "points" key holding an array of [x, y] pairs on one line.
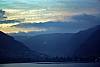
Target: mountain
{"points": [[50, 44], [64, 44], [91, 46], [79, 38], [15, 51]]}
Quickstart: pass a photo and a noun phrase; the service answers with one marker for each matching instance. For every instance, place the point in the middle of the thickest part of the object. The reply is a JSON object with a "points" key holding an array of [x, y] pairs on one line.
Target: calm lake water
{"points": [[51, 65]]}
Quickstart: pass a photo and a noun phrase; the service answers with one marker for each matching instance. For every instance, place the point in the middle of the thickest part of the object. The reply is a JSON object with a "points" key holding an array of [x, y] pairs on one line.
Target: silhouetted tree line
{"points": [[91, 59]]}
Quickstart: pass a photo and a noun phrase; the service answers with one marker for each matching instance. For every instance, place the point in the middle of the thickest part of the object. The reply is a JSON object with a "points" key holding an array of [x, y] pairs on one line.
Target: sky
{"points": [[75, 15]]}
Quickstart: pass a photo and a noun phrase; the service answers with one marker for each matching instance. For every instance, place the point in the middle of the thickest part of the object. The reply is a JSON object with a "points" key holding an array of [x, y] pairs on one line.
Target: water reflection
{"points": [[2, 66], [51, 65]]}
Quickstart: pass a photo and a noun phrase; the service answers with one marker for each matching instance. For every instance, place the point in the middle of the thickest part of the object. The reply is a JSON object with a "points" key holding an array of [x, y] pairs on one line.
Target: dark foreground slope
{"points": [[90, 47], [14, 51]]}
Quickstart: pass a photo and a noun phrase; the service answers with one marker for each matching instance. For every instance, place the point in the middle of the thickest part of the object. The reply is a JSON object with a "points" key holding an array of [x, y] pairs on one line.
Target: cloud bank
{"points": [[76, 23]]}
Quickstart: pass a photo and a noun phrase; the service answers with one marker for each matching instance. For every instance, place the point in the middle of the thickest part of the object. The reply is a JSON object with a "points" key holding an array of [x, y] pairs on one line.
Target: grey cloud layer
{"points": [[77, 23]]}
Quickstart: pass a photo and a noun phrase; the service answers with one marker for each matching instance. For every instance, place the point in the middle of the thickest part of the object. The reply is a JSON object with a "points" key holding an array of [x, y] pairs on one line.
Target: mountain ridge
{"points": [[58, 44], [91, 45], [12, 51]]}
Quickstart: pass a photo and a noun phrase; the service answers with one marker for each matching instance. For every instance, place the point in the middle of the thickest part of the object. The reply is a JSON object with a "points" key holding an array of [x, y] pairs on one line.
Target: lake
{"points": [[51, 65]]}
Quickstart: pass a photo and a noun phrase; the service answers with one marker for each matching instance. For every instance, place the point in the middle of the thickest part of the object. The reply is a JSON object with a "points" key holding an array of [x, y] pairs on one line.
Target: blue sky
{"points": [[35, 11]]}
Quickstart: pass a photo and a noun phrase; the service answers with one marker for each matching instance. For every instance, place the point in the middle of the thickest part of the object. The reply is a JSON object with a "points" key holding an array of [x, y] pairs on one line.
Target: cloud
{"points": [[76, 23], [85, 18], [66, 5], [10, 22], [10, 29], [48, 10], [51, 10], [72, 23], [39, 15]]}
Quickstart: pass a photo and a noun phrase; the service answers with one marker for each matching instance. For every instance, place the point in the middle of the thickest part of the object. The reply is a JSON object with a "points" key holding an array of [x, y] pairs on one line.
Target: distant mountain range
{"points": [[15, 51], [83, 43], [49, 47], [50, 44]]}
